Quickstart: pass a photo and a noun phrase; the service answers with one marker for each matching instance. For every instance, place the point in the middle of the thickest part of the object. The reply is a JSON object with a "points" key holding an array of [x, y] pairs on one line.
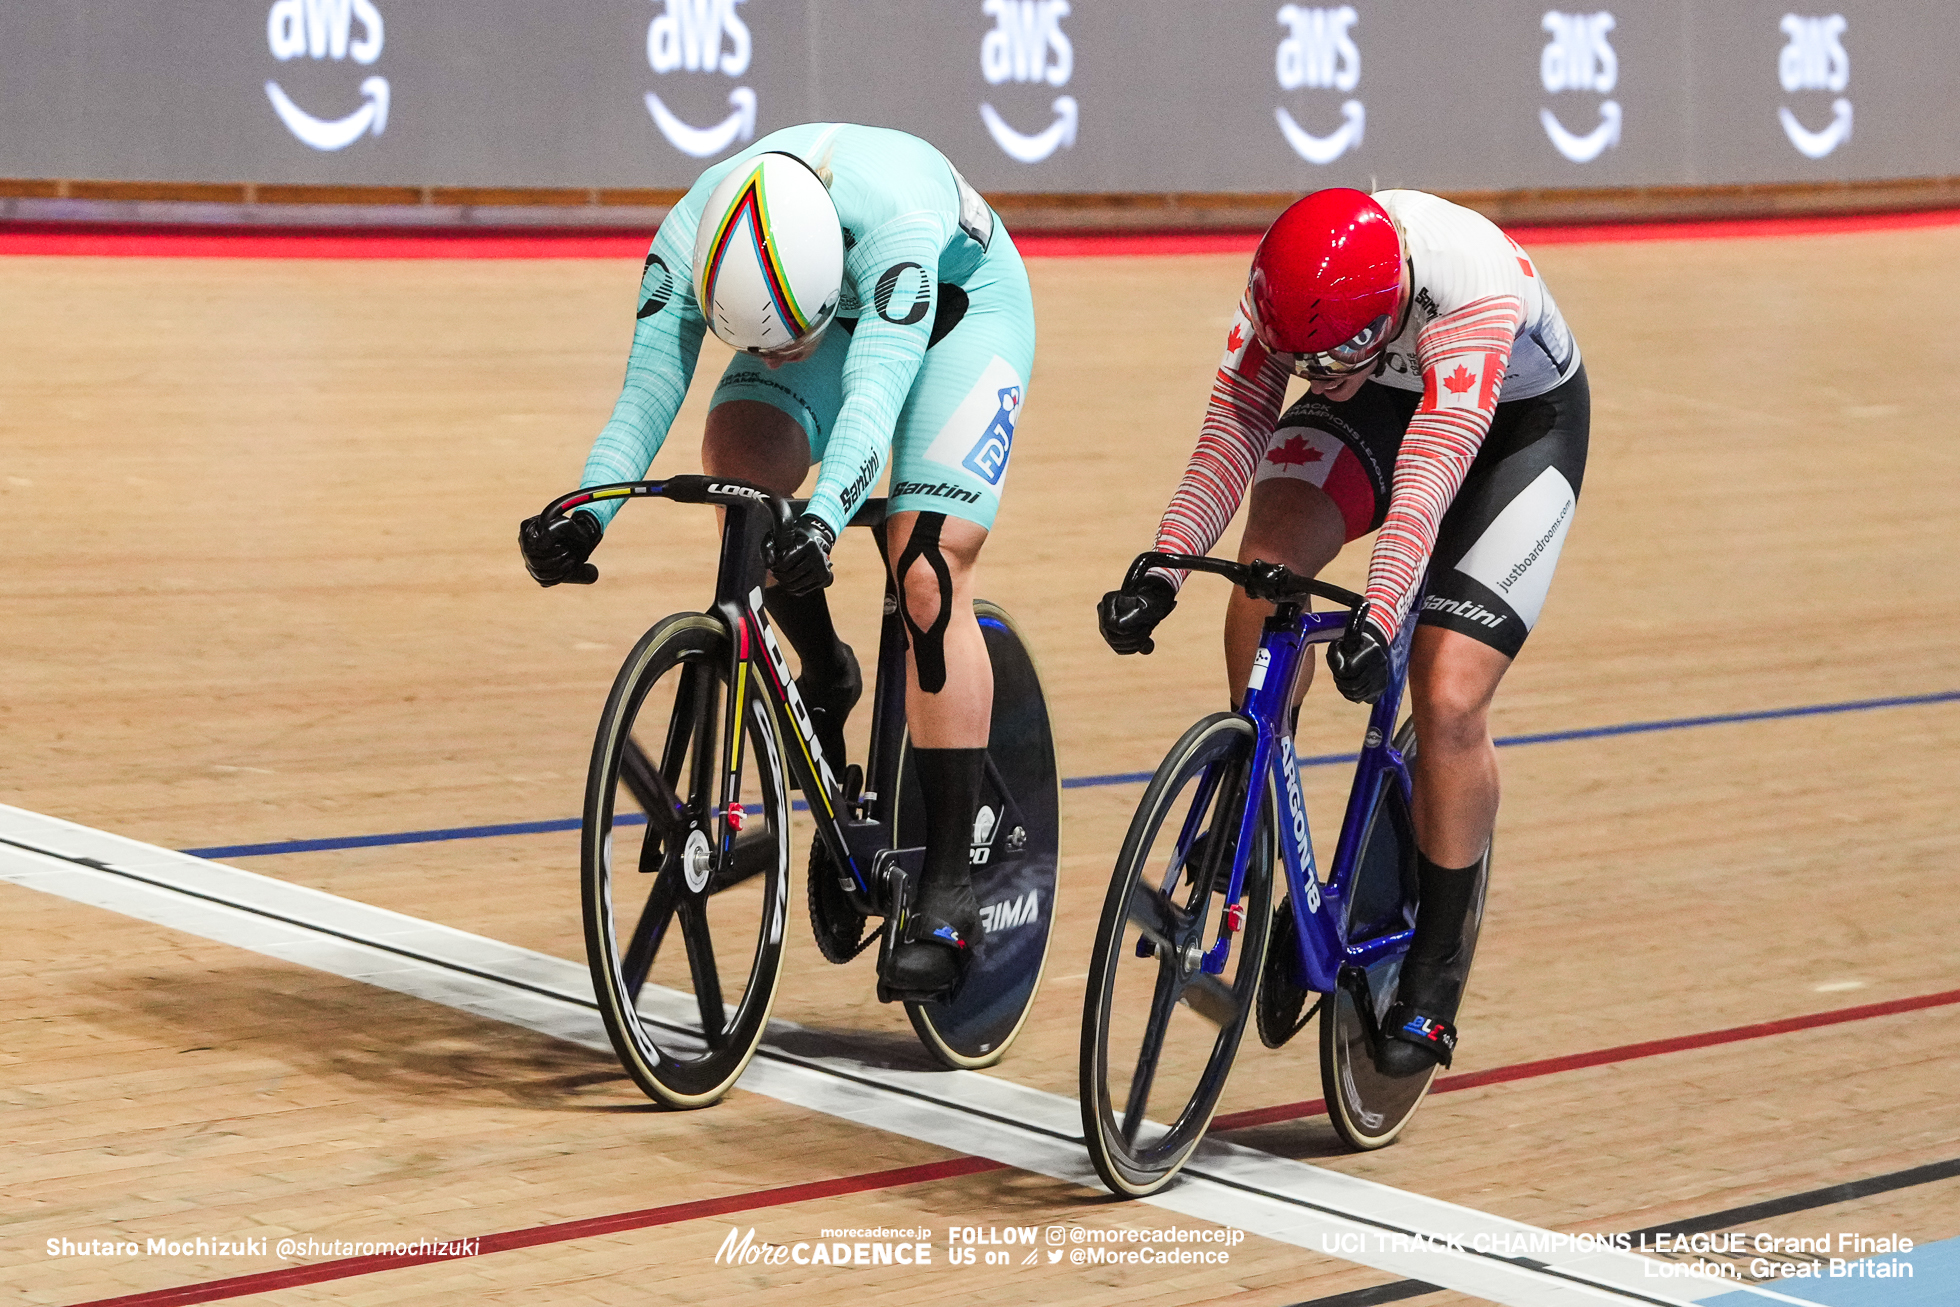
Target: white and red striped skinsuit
{"points": [[1480, 322]]}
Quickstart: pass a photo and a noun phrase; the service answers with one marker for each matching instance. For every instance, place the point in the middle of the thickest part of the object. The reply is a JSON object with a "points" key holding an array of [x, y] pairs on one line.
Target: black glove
{"points": [[557, 552], [1359, 660], [1127, 617], [799, 554]]}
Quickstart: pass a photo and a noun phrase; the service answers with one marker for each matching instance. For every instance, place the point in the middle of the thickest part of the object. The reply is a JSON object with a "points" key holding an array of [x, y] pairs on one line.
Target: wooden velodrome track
{"points": [[261, 586]]}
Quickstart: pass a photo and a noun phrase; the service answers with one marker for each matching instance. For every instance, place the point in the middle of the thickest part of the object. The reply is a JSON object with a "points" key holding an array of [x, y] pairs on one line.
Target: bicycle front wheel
{"points": [[1159, 1030], [685, 863]]}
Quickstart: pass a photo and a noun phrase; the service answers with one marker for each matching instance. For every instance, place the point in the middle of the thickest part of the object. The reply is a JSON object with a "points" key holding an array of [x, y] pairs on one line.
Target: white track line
{"points": [[965, 1111]]}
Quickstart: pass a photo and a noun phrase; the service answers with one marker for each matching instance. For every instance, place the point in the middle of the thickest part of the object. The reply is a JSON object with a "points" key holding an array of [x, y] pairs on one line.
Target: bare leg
{"points": [[1289, 522], [755, 442], [957, 713], [1452, 679]]}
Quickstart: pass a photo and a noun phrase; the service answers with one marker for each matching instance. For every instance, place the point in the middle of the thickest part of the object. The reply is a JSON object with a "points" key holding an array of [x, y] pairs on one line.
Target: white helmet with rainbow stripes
{"points": [[769, 256]]}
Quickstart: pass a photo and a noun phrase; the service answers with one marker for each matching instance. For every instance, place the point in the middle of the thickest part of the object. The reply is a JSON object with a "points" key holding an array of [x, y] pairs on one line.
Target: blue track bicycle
{"points": [[1190, 947]]}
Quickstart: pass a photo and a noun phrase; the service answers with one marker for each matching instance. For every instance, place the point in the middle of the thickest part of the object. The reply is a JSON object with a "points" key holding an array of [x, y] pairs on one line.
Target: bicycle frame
{"points": [[1318, 909], [856, 827], [1318, 918]]}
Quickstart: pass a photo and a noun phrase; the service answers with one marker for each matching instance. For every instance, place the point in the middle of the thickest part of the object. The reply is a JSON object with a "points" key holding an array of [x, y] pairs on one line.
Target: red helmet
{"points": [[1326, 281]]}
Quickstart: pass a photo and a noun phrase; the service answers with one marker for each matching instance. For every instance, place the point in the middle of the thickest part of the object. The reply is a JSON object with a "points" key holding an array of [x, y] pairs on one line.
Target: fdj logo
{"points": [[324, 29], [1028, 44], [1815, 60], [1580, 58], [1318, 53], [701, 36], [988, 459]]}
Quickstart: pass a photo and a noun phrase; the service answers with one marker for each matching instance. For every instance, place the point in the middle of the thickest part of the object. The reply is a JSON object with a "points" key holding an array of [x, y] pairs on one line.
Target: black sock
{"points": [[1446, 896], [805, 619], [949, 781]]}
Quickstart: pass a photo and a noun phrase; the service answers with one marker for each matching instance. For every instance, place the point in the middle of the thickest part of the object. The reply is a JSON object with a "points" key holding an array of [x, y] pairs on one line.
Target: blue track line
{"points": [[558, 824]]}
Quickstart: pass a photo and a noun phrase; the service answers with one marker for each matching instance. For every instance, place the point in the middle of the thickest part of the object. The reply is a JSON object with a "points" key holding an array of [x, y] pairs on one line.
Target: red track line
{"points": [[318, 1272], [115, 240], [1600, 1057], [346, 1267]]}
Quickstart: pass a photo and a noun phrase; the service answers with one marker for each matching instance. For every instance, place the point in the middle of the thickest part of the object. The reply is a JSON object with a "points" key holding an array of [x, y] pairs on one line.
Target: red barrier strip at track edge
{"points": [[952, 1168]]}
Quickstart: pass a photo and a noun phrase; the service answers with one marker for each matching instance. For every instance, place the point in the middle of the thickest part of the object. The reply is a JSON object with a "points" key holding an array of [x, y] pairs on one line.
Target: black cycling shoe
{"points": [[1419, 1031], [934, 948], [829, 701]]}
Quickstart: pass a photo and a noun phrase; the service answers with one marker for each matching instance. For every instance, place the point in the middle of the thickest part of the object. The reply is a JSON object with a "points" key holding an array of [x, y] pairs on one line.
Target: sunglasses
{"points": [[1346, 358]]}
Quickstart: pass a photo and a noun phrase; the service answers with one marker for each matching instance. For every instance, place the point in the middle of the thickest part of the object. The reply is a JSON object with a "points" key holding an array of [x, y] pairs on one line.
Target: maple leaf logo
{"points": [[1460, 380], [1294, 453], [1236, 339]]}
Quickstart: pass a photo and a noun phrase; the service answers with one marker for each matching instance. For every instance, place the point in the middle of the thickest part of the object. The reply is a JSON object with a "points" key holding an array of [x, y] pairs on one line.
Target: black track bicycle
{"points": [[685, 847]]}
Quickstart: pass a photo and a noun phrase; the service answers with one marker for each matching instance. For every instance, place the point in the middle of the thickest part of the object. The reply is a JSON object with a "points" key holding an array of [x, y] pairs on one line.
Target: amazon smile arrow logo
{"points": [[1584, 149], [694, 37], [704, 141], [1815, 145], [1324, 149], [1035, 148], [324, 29], [339, 133], [1579, 56]]}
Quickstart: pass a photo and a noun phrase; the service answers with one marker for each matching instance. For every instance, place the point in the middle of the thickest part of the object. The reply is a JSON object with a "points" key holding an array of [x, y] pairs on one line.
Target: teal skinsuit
{"points": [[927, 363]]}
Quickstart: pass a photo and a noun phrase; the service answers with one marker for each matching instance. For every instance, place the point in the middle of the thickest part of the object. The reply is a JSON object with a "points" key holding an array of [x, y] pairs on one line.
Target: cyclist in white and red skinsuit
{"points": [[1448, 407]]}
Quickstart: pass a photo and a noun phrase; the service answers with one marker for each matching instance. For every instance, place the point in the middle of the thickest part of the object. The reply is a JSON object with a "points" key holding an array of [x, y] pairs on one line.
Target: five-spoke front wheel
{"points": [[685, 863], [1160, 1030]]}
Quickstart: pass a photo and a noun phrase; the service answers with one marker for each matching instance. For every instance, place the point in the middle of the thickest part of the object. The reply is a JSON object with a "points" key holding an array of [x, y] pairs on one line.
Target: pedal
{"points": [[892, 871], [894, 887]]}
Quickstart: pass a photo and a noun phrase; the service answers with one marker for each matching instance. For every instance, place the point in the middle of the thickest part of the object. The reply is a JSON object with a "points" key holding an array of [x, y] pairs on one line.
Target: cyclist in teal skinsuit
{"points": [[925, 366]]}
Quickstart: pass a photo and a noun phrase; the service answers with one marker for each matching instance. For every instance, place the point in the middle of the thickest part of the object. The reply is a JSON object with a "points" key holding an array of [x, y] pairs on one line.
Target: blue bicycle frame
{"points": [[1319, 918]]}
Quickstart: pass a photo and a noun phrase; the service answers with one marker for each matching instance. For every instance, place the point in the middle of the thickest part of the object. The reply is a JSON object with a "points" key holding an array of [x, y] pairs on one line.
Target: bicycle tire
{"points": [[1368, 1109], [1015, 880], [671, 1019], [1215, 755]]}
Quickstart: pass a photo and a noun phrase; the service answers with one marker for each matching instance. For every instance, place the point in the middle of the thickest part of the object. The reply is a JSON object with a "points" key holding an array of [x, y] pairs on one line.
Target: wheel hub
{"points": [[696, 860]]}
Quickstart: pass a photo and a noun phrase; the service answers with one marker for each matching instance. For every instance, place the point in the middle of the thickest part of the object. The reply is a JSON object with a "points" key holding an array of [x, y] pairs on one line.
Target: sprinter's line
{"points": [[554, 825], [1281, 1199]]}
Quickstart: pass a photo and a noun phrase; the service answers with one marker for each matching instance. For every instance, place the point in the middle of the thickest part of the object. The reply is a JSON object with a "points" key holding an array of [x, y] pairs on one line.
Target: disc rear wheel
{"points": [[1015, 853], [1370, 1109]]}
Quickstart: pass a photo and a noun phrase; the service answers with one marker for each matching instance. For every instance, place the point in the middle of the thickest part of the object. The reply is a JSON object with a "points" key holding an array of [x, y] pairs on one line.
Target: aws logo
{"points": [[1579, 57], [701, 36], [1815, 60], [324, 29], [1319, 53], [1028, 45]]}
